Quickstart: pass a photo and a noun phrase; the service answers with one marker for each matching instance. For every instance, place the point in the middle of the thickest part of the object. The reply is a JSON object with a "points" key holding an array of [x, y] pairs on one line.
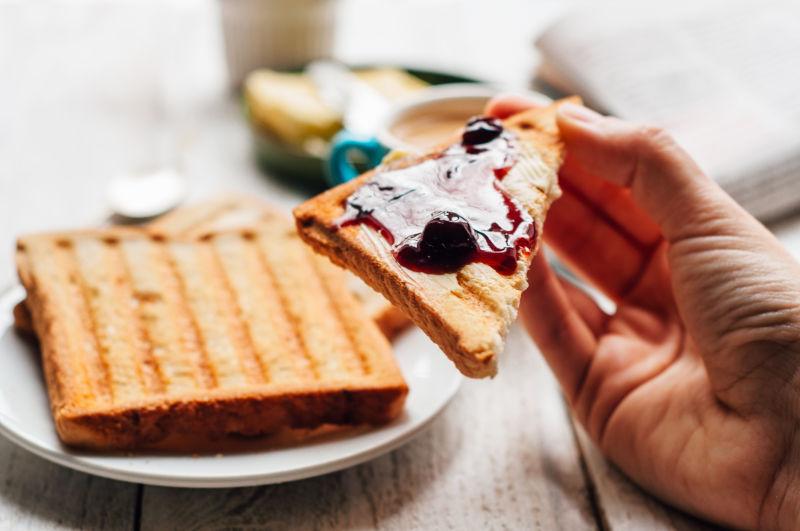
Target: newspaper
{"points": [[722, 77]]}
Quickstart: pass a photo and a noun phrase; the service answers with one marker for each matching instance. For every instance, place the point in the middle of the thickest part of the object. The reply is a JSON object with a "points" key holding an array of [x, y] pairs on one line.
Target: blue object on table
{"points": [[340, 168]]}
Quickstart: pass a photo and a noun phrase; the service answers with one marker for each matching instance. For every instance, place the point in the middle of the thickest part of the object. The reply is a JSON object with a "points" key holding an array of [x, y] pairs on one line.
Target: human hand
{"points": [[692, 387]]}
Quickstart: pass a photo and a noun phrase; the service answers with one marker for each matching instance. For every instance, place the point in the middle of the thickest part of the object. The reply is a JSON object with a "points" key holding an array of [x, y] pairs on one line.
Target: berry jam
{"points": [[481, 131], [449, 210]]}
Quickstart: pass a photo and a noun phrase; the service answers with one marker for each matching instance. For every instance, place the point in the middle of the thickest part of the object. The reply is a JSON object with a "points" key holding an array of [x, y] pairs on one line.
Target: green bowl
{"points": [[307, 172]]}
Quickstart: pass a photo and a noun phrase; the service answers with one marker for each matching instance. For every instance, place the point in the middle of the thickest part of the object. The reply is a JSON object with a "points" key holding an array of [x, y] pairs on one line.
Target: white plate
{"points": [[25, 419]]}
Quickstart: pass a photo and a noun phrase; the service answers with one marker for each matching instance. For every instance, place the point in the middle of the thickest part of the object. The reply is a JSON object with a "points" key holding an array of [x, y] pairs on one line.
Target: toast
{"points": [[240, 212], [22, 318], [150, 342], [467, 311], [236, 212]]}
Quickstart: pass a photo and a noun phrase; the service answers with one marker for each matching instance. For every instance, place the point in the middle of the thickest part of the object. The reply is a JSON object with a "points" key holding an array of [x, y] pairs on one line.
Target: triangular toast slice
{"points": [[467, 311]]}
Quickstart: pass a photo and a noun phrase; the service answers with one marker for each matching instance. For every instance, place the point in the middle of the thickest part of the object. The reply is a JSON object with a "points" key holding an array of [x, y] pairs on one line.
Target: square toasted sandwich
{"points": [[153, 341]]}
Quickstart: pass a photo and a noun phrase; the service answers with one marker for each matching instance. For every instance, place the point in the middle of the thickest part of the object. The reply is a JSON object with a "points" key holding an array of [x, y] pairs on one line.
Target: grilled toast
{"points": [[172, 343], [466, 312], [236, 212], [241, 212]]}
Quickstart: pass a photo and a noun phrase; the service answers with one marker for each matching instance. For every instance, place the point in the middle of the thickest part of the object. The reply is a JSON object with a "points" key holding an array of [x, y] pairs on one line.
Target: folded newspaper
{"points": [[722, 77]]}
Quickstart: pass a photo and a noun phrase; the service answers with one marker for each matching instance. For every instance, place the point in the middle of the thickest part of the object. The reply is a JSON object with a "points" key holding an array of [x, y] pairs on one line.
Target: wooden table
{"points": [[91, 90]]}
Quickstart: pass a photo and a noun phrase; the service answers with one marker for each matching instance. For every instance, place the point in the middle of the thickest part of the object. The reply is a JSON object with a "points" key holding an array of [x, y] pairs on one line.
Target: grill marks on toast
{"points": [[211, 306], [243, 213], [248, 214], [192, 220], [176, 349], [83, 373], [111, 305], [202, 357], [324, 269], [274, 338], [308, 305], [142, 316], [214, 216], [150, 371]]}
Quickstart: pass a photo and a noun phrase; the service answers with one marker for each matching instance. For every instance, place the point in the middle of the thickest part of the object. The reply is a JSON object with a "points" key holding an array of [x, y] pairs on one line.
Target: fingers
{"points": [[588, 227], [594, 317], [610, 202], [554, 319], [505, 105], [664, 181]]}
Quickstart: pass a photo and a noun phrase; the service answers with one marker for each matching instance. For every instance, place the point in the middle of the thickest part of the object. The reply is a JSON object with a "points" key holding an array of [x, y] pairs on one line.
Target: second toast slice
{"points": [[242, 212]]}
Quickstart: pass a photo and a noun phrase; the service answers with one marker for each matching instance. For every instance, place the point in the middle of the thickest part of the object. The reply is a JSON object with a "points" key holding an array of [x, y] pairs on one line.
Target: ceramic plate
{"points": [[25, 419]]}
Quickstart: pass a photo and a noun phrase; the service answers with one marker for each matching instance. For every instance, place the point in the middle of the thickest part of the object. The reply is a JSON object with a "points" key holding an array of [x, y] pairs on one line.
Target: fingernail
{"points": [[578, 113]]}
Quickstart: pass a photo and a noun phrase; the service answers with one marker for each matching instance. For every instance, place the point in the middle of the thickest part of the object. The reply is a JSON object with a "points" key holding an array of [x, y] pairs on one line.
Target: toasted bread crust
{"points": [[238, 212], [391, 320], [22, 318], [118, 379], [203, 421], [466, 313]]}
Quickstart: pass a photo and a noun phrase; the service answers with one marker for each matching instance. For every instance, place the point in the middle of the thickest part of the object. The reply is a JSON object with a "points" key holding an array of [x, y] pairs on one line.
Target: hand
{"points": [[692, 387]]}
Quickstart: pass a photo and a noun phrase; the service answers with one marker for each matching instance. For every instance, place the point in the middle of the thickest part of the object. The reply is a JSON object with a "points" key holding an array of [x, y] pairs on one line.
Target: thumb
{"points": [[664, 181]]}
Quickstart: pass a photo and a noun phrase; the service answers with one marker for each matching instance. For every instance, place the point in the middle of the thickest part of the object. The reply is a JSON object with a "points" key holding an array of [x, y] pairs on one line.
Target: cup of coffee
{"points": [[414, 126]]}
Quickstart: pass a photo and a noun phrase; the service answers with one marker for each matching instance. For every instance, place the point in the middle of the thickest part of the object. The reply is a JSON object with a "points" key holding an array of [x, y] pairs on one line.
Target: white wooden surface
{"points": [[36, 494], [90, 89], [620, 504]]}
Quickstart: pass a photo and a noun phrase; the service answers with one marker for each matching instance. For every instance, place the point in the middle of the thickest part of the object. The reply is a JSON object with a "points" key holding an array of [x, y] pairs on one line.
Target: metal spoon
{"points": [[143, 196]]}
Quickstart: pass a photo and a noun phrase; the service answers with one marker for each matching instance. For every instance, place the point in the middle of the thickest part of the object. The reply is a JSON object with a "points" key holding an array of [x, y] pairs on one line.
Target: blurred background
{"points": [[93, 92]]}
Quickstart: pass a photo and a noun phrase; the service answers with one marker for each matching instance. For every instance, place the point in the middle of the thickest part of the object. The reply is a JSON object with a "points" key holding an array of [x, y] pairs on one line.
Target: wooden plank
{"points": [[623, 506], [37, 494], [501, 456]]}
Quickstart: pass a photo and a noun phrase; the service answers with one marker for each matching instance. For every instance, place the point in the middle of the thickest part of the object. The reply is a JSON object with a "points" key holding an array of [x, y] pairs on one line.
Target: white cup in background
{"points": [[276, 34]]}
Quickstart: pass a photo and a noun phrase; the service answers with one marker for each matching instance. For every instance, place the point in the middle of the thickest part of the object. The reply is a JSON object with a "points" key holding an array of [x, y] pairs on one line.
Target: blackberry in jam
{"points": [[447, 243], [481, 131]]}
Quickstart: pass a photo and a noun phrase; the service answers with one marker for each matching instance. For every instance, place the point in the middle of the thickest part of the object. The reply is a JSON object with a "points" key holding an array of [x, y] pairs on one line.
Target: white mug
{"points": [[279, 34]]}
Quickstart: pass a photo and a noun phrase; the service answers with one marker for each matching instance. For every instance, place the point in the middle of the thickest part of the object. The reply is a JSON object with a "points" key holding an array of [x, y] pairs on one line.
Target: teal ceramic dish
{"points": [[305, 171]]}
